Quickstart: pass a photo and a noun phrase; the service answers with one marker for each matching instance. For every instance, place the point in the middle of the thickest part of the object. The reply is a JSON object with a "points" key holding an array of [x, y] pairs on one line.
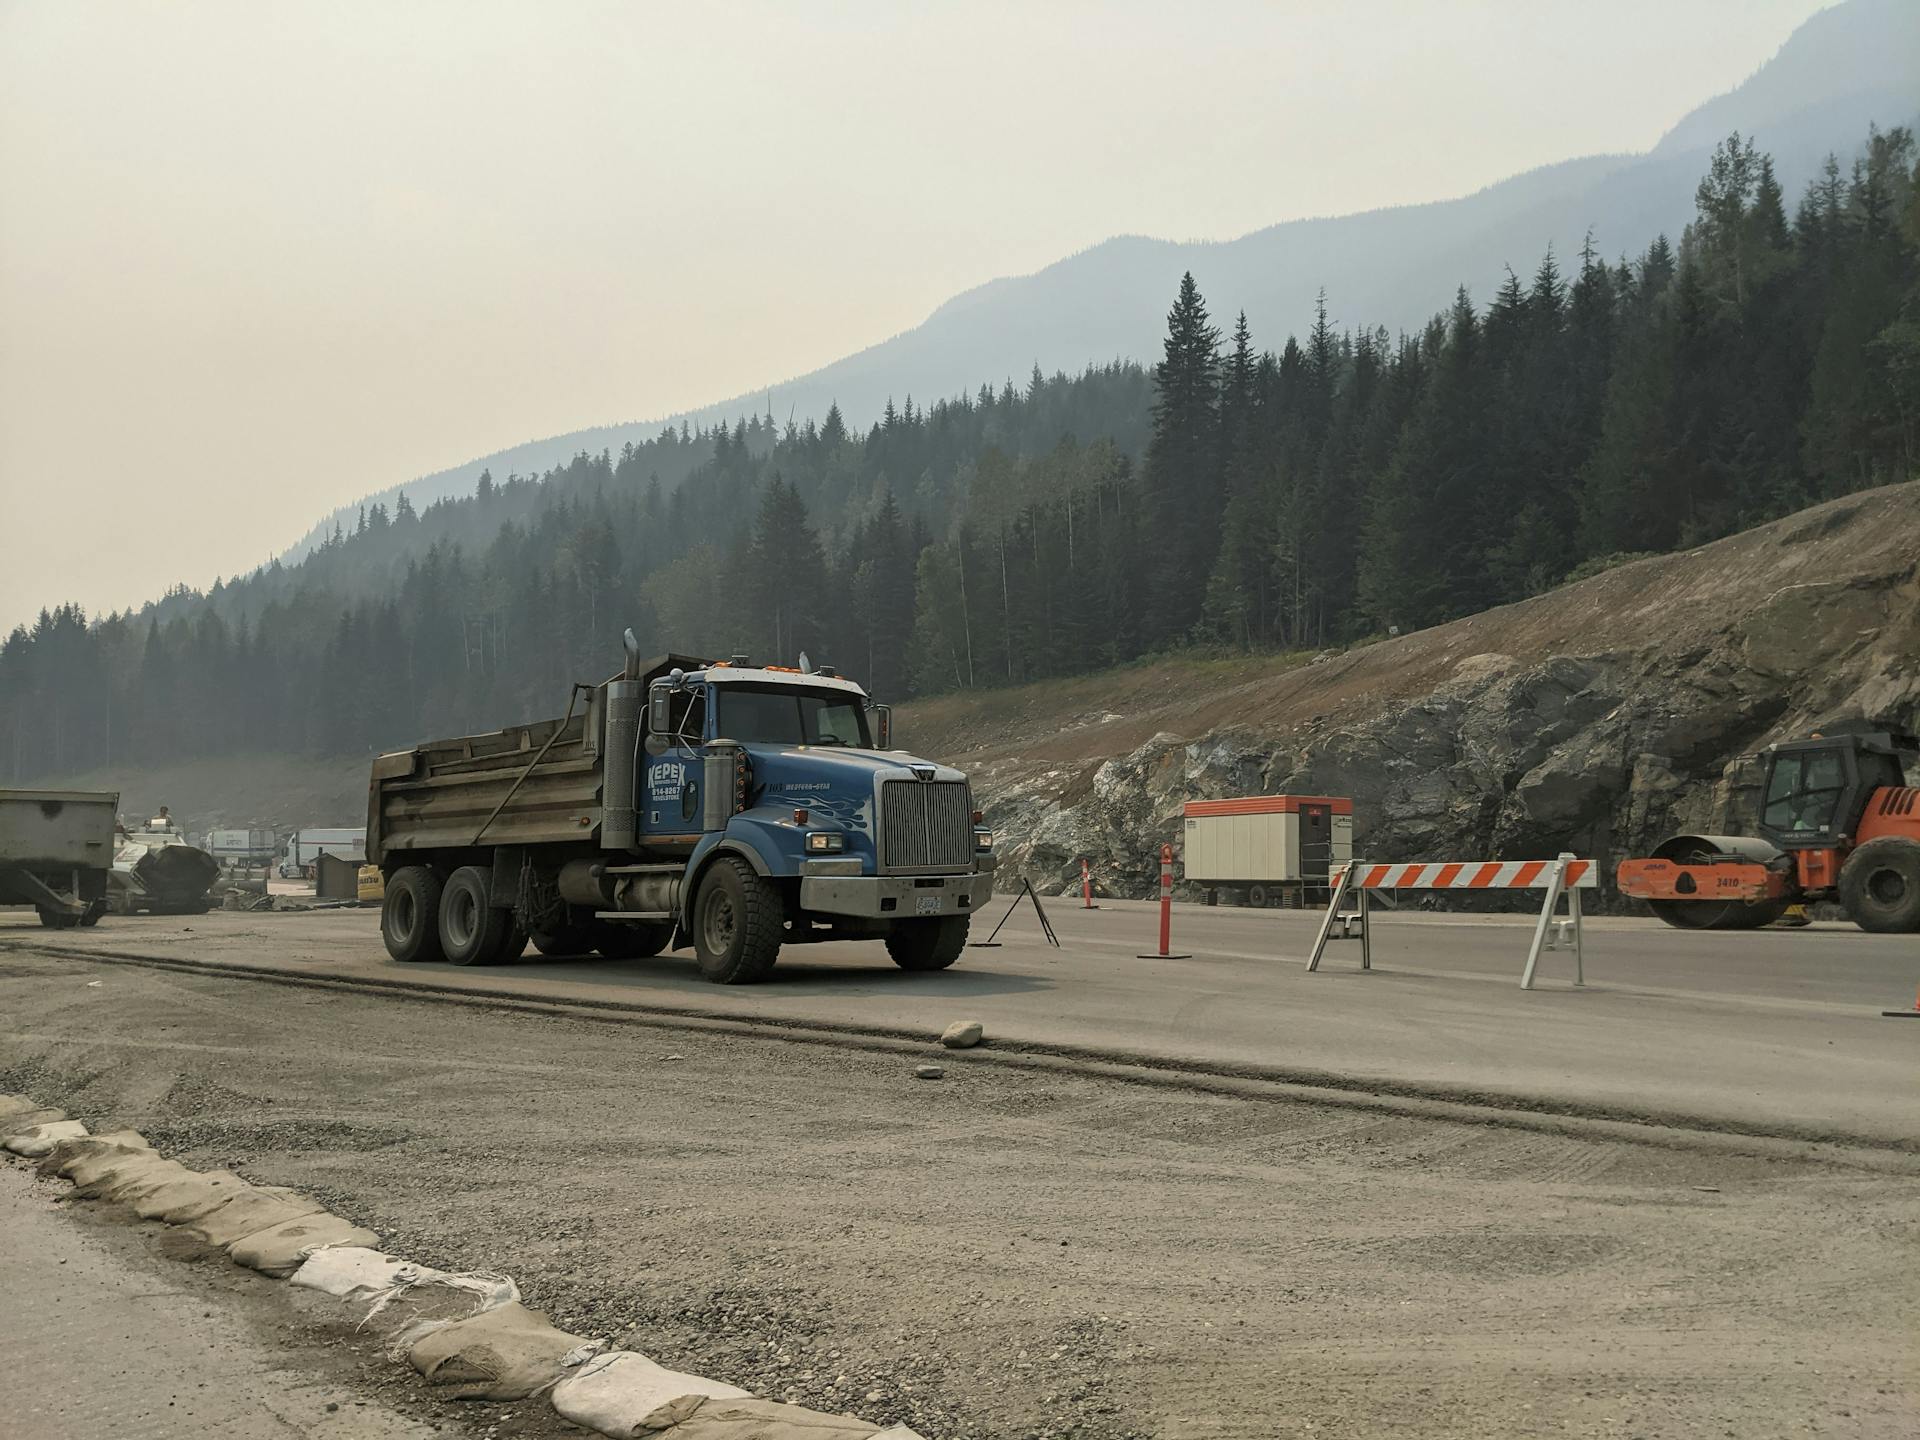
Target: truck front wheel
{"points": [[1880, 885], [410, 915], [737, 919], [927, 944]]}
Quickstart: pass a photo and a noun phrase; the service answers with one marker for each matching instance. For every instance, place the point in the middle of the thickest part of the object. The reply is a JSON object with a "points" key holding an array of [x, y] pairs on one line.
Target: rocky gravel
{"points": [[1013, 1254]]}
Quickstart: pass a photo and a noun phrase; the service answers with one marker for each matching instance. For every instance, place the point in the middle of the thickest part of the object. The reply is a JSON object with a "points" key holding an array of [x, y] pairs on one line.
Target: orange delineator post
{"points": [[1086, 887], [1165, 952]]}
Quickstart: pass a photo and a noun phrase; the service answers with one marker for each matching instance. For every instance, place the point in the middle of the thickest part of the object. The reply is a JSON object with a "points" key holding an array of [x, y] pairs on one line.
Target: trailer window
{"points": [[1803, 791], [780, 715]]}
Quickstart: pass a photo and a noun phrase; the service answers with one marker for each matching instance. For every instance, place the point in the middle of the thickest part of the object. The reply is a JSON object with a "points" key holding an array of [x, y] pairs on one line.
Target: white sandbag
{"points": [[407, 1310], [506, 1353], [354, 1272], [615, 1393], [899, 1432], [188, 1197], [278, 1251], [39, 1139], [25, 1120], [697, 1418], [140, 1174], [248, 1212], [65, 1157]]}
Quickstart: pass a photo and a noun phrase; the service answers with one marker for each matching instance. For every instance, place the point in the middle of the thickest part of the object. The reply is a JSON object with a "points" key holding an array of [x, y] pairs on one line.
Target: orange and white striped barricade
{"points": [[1566, 875]]}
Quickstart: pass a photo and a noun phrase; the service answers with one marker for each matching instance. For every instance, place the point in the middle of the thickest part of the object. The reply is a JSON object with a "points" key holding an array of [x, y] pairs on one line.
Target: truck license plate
{"points": [[926, 905]]}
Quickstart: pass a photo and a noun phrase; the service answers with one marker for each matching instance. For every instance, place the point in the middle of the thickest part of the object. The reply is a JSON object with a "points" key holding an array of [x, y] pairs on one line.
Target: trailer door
{"points": [[1316, 842]]}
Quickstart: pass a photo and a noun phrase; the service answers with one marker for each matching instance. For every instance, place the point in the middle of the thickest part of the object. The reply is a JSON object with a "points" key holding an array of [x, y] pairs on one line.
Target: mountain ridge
{"points": [[1845, 67]]}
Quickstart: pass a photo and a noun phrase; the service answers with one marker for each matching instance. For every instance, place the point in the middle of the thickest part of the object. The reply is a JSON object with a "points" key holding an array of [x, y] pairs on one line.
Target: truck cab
{"points": [[721, 806]]}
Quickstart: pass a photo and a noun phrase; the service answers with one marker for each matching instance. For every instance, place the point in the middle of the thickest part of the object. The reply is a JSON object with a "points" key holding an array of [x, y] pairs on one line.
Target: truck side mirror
{"points": [[659, 717], [883, 727]]}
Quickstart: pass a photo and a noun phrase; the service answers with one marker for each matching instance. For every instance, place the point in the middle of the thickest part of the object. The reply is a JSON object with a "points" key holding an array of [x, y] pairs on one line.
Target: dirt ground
{"points": [[1009, 1253]]}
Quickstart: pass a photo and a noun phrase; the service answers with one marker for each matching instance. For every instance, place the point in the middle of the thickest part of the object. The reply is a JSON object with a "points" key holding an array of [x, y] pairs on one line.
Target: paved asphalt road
{"points": [[102, 1344], [1776, 1030]]}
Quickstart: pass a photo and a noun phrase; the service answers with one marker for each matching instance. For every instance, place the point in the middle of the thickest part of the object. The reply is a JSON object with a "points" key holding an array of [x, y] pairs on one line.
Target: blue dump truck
{"points": [[717, 805]]}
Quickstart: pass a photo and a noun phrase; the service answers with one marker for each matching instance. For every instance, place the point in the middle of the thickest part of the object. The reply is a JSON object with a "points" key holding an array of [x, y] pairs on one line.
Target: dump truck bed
{"points": [[56, 829], [437, 796]]}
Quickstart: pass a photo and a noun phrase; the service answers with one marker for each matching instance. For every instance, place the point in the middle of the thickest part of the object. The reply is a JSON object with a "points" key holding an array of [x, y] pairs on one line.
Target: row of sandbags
{"points": [[468, 1333]]}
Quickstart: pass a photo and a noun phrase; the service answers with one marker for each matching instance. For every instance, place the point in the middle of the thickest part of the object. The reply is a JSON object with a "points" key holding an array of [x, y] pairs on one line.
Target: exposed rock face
{"points": [[1598, 718]]}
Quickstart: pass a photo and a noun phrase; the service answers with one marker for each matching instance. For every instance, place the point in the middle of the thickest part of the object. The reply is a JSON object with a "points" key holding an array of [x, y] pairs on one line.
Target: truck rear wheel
{"points": [[737, 919], [927, 944], [410, 915], [472, 930], [1880, 885]]}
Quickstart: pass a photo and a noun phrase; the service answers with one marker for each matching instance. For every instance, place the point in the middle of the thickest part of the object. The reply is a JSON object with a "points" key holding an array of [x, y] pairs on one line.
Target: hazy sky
{"points": [[258, 259]]}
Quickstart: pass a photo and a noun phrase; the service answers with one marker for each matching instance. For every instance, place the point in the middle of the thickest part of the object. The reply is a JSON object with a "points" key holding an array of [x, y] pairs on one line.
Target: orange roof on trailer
{"points": [[1268, 805]]}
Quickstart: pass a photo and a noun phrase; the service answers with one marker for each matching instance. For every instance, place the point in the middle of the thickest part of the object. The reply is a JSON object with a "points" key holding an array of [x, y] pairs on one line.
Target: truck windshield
{"points": [[784, 715]]}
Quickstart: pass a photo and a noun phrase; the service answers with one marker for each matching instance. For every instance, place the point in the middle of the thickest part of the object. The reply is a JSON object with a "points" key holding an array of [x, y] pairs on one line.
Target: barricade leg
{"points": [[1579, 957], [1366, 932], [1554, 887], [1333, 909]]}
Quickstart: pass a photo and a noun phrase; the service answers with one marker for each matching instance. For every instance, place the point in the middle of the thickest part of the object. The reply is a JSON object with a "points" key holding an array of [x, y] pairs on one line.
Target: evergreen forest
{"points": [[1233, 495]]}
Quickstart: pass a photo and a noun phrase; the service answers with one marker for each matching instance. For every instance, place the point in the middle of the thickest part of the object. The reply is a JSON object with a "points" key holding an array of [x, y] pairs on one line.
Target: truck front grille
{"points": [[926, 825]]}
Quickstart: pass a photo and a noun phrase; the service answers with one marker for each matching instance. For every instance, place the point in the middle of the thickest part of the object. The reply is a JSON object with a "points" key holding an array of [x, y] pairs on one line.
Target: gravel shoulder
{"points": [[1009, 1253]]}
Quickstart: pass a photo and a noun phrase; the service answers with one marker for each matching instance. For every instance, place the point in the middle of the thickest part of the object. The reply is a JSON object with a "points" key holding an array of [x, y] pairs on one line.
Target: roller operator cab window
{"points": [[785, 715], [1804, 789]]}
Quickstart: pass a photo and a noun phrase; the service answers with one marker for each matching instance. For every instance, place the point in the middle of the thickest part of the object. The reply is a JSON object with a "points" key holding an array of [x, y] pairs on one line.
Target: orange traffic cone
{"points": [[1913, 1014]]}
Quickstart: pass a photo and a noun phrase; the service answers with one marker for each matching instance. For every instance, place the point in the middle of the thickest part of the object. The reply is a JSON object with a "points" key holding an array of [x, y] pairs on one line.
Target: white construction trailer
{"points": [[1277, 848]]}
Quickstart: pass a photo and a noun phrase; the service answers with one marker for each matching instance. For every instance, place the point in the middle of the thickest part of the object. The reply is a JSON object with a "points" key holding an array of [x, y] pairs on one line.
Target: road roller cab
{"points": [[1837, 821]]}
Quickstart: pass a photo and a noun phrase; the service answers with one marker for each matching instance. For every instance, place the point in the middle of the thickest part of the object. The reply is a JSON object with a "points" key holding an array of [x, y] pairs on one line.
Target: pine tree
{"points": [[1182, 484]]}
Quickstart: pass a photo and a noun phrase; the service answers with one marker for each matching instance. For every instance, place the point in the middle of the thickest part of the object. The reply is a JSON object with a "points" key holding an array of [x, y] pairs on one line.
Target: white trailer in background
{"points": [[243, 847], [1278, 848], [304, 848]]}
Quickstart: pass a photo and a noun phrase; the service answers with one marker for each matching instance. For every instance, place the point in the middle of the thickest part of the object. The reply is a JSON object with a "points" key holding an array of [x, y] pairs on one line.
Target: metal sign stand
{"points": [[1027, 892]]}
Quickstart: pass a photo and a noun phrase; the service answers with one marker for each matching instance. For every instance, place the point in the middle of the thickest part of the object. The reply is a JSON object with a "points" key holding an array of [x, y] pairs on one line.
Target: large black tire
{"points": [[513, 943], [737, 923], [567, 940], [1880, 885], [927, 944], [410, 915], [54, 920], [472, 930], [634, 939]]}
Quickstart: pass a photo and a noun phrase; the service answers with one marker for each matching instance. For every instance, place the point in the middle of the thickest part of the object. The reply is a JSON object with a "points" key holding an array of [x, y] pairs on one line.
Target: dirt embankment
{"points": [[1597, 717]]}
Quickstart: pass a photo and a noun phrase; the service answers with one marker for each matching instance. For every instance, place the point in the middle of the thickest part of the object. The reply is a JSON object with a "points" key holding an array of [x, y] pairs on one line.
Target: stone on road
{"points": [[962, 1034]]}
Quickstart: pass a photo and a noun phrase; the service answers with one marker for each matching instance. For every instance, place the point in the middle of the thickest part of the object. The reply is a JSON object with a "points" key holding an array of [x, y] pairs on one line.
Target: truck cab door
{"points": [[672, 769]]}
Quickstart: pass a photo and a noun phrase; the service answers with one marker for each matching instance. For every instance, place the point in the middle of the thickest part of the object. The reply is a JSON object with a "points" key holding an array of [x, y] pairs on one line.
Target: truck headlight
{"points": [[983, 839], [825, 842]]}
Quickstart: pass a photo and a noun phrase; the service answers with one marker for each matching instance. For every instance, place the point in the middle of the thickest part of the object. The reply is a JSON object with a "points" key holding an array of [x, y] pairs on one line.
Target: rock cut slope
{"points": [[1596, 718]]}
